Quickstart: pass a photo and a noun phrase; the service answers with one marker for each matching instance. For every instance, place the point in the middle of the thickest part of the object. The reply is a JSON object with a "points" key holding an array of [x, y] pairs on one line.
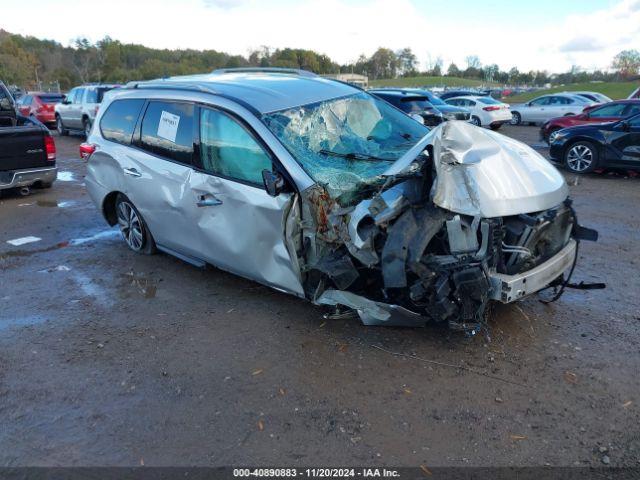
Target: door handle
{"points": [[132, 171], [208, 201]]}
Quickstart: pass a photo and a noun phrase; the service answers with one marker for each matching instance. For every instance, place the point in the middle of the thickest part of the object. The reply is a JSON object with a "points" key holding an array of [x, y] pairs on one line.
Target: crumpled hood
{"points": [[483, 173]]}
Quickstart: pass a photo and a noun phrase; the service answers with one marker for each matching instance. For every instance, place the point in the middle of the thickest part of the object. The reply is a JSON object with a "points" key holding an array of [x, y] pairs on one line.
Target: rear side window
{"points": [[167, 130], [50, 98], [633, 109], [119, 121], [229, 150]]}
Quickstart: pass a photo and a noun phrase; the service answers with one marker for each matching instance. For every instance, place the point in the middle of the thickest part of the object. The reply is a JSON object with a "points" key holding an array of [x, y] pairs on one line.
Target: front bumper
{"points": [[25, 178], [508, 288]]}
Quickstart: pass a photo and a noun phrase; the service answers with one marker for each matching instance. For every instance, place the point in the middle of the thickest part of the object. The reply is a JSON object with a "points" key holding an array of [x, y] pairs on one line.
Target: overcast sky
{"points": [[529, 34]]}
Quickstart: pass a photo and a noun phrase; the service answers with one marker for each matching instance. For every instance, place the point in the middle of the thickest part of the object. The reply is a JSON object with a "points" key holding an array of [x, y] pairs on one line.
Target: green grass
{"points": [[613, 90], [428, 82]]}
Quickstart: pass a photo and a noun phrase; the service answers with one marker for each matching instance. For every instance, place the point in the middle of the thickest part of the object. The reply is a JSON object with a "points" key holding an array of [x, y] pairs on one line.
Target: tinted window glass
{"points": [[415, 104], [119, 121], [614, 110], [632, 110], [635, 121], [92, 96], [229, 150], [167, 130], [50, 98]]}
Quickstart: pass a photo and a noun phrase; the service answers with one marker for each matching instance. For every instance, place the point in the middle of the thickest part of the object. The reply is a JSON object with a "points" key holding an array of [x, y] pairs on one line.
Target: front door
{"points": [[627, 144], [241, 226]]}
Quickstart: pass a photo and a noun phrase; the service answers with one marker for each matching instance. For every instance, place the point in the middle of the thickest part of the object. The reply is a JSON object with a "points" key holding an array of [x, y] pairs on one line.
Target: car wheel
{"points": [[86, 126], [476, 121], [549, 138], [516, 119], [495, 126], [581, 157], [45, 185], [60, 127], [133, 228]]}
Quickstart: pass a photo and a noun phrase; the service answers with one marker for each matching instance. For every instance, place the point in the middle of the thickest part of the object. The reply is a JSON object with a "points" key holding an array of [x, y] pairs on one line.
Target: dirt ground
{"points": [[111, 358]]}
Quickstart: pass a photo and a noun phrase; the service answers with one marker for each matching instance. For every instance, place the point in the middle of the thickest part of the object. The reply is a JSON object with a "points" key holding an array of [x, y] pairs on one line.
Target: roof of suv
{"points": [[264, 90]]}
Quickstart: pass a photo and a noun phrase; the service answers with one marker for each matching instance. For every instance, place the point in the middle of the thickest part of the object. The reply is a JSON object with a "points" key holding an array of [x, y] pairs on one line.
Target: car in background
{"points": [[634, 94], [79, 108], [40, 105], [609, 112], [449, 112], [546, 107], [584, 148], [593, 96], [416, 106], [463, 93], [485, 111], [8, 112]]}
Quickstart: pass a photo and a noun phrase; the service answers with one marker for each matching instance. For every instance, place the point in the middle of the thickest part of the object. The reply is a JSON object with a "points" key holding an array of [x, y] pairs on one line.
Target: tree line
{"points": [[26, 60]]}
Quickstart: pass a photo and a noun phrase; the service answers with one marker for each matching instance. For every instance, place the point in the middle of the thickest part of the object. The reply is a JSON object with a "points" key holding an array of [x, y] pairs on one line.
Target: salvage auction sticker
{"points": [[168, 126]]}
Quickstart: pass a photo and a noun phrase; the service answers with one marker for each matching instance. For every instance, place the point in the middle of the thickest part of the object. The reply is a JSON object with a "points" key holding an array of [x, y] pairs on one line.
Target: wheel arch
{"points": [[109, 207], [583, 138]]}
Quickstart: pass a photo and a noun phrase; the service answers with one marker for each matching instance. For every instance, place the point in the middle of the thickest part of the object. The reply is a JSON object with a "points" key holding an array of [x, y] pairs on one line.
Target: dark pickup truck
{"points": [[27, 149]]}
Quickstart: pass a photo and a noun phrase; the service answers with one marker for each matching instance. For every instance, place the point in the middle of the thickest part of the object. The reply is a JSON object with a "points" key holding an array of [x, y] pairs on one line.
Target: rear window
{"points": [[95, 95], [119, 121], [167, 130], [51, 98], [488, 101]]}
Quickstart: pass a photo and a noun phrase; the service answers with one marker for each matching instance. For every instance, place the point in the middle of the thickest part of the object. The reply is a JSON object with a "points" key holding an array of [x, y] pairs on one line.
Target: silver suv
{"points": [[79, 108], [319, 189]]}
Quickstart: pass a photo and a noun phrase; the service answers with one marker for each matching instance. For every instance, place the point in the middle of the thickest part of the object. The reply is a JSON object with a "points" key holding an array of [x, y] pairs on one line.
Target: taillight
{"points": [[50, 148], [86, 149], [491, 109]]}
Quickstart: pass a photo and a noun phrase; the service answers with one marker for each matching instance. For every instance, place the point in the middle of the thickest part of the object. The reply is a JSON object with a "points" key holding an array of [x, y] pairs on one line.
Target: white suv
{"points": [[79, 108]]}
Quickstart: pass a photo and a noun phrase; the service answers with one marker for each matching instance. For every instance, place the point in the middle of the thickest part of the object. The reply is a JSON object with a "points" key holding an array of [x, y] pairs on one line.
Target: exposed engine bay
{"points": [[440, 237]]}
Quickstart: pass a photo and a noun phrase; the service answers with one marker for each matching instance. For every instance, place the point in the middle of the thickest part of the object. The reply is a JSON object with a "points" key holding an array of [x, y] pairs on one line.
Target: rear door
{"points": [[242, 227], [158, 172]]}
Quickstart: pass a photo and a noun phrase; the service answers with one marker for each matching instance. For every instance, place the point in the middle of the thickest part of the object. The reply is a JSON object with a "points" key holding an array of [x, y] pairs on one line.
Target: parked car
{"points": [[448, 112], [322, 190], [40, 105], [485, 111], [27, 155], [584, 148], [8, 112], [463, 93], [546, 107], [417, 106], [635, 94], [609, 112], [593, 96], [78, 110]]}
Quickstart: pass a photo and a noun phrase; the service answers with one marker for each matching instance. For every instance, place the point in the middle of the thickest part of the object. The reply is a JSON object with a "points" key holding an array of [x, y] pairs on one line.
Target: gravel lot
{"points": [[110, 358]]}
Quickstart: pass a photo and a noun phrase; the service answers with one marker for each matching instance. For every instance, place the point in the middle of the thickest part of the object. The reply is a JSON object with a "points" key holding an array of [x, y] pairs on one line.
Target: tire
{"points": [[133, 227], [62, 131], [516, 118], [86, 127], [495, 126], [581, 157], [551, 132], [45, 185], [476, 121]]}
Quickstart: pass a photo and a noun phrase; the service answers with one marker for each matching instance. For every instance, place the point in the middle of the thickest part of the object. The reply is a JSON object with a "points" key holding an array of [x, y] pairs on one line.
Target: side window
{"points": [[470, 103], [119, 121], [229, 150], [635, 121], [167, 130], [79, 95], [71, 96], [92, 96], [26, 100], [632, 110], [539, 102], [614, 110]]}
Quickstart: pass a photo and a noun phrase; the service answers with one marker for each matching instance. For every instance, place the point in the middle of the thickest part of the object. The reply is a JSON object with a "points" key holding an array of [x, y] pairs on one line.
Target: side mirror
{"points": [[273, 182], [624, 126]]}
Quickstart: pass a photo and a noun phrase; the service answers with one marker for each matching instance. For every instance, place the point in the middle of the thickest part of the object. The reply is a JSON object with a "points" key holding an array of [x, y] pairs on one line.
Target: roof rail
{"points": [[292, 71]]}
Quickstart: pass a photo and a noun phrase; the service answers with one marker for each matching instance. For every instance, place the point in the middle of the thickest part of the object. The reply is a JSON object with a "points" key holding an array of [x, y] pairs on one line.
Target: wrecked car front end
{"points": [[462, 217]]}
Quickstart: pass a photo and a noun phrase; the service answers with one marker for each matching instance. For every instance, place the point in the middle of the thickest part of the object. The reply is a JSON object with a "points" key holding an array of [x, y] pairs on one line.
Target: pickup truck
{"points": [[27, 150]]}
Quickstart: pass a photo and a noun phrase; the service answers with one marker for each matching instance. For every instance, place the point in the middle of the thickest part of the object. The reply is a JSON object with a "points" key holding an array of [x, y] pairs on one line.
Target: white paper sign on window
{"points": [[168, 126]]}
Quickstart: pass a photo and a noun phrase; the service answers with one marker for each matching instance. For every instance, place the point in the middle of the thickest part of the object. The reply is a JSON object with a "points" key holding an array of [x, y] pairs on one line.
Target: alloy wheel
{"points": [[579, 158], [130, 226]]}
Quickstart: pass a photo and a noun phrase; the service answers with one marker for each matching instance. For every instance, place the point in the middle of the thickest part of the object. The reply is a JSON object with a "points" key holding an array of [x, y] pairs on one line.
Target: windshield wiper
{"points": [[355, 156]]}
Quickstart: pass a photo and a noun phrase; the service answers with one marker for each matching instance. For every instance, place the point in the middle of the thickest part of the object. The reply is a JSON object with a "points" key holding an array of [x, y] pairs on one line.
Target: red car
{"points": [[40, 105], [607, 112]]}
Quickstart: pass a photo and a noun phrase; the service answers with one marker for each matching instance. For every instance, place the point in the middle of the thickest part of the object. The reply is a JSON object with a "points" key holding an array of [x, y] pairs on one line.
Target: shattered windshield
{"points": [[345, 143]]}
